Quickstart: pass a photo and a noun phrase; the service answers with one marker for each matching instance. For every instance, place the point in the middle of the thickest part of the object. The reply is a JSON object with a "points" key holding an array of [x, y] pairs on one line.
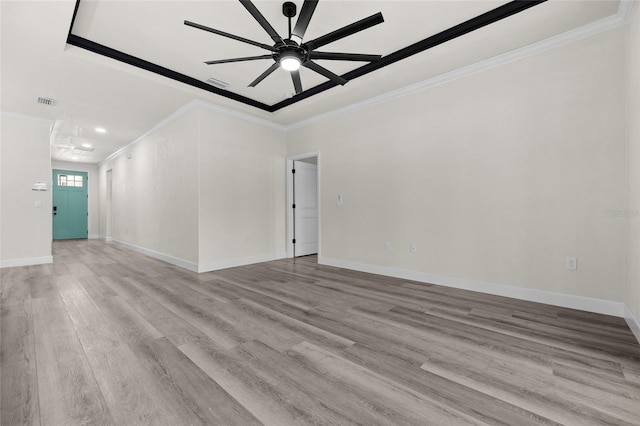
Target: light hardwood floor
{"points": [[106, 336]]}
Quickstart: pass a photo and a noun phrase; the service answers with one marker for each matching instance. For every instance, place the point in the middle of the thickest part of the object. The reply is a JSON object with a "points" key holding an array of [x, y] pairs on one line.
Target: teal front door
{"points": [[70, 204]]}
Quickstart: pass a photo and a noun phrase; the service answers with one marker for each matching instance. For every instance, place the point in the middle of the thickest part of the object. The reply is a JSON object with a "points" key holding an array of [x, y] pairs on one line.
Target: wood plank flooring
{"points": [[107, 336]]}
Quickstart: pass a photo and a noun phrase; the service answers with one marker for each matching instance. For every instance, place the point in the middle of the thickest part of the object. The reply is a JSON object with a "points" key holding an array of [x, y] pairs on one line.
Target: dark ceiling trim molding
{"points": [[456, 31], [466, 27], [100, 49], [73, 18]]}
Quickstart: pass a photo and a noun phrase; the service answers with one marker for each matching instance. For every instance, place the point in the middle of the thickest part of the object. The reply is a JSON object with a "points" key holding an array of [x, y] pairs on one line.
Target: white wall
{"points": [[93, 191], [497, 177], [632, 295], [155, 191], [25, 230], [203, 190], [242, 187]]}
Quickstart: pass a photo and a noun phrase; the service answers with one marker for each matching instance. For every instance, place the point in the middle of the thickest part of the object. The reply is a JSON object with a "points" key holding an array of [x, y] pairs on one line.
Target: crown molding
{"points": [[606, 24], [163, 123], [239, 115], [192, 106]]}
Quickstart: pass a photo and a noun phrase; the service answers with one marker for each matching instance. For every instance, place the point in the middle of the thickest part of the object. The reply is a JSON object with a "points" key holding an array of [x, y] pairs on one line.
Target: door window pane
{"points": [[70, 180]]}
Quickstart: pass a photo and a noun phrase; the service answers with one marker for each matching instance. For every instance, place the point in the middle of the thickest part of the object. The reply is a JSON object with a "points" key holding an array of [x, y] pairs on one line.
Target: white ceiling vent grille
{"points": [[217, 83], [84, 148], [47, 101]]}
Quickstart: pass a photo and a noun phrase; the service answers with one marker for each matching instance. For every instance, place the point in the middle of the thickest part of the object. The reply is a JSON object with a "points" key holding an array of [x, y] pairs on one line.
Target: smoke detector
{"points": [[46, 101]]}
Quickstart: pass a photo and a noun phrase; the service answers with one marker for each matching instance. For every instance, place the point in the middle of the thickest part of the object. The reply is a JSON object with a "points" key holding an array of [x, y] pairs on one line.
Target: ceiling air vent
{"points": [[47, 101], [83, 148], [217, 83]]}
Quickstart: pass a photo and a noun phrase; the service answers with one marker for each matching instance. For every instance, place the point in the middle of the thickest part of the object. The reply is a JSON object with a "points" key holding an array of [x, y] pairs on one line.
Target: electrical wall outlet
{"points": [[413, 248], [571, 263], [387, 246], [339, 201]]}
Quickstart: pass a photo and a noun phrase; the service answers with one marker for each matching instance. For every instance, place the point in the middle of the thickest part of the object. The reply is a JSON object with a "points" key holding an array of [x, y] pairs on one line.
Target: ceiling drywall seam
{"points": [[606, 24], [196, 103], [31, 118]]}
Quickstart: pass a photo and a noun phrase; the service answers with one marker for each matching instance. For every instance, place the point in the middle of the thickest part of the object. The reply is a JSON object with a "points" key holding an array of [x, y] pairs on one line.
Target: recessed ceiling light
{"points": [[101, 130], [86, 145]]}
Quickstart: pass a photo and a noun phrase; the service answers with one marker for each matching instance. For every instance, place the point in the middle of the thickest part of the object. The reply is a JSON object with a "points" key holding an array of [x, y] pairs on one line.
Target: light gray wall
{"points": [[632, 296], [25, 157], [203, 189], [242, 187], [155, 191], [93, 191], [497, 177]]}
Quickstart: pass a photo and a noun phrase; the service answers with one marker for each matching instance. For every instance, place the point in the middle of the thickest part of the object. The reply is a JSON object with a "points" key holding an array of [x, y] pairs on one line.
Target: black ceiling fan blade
{"points": [[253, 10], [265, 74], [308, 7], [297, 83], [325, 72], [234, 37], [343, 32], [344, 56], [246, 58]]}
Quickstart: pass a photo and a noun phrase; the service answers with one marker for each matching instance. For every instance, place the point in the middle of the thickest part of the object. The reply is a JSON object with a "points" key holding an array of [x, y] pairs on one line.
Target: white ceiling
{"points": [[91, 90]]}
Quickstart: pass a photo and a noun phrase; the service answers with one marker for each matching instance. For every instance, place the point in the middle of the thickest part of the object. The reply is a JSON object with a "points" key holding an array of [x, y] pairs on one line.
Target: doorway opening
{"points": [[303, 205], [70, 205], [108, 224]]}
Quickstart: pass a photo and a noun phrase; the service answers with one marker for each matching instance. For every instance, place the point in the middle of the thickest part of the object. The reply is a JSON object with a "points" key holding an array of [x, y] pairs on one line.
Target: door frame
{"points": [[108, 234], [289, 209], [85, 173]]}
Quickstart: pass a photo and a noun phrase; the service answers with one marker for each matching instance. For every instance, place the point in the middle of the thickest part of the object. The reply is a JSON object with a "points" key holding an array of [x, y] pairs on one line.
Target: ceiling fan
{"points": [[291, 53]]}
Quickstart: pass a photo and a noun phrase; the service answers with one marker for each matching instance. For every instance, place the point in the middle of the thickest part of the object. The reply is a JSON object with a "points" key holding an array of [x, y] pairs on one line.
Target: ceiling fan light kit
{"points": [[290, 63], [291, 53]]}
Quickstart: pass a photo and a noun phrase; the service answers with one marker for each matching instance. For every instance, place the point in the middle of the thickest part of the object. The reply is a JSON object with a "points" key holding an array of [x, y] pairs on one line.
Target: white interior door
{"points": [[305, 213]]}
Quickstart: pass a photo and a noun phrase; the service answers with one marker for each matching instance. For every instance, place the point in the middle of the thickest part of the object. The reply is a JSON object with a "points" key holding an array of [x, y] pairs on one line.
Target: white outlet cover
{"points": [[571, 263]]}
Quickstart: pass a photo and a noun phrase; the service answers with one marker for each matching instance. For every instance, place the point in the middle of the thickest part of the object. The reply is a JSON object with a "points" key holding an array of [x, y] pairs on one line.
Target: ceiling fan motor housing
{"points": [[290, 48]]}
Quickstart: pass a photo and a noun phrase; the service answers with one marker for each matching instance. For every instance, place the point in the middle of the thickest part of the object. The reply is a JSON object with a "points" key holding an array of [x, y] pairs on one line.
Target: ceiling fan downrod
{"points": [[289, 10]]}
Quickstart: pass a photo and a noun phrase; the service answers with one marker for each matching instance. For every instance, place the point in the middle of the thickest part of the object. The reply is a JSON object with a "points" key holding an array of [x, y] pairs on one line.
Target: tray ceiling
{"points": [[151, 35]]}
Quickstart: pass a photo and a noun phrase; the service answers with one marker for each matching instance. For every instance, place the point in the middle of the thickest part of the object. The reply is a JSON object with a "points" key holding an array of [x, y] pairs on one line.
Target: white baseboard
{"points": [[582, 303], [206, 267], [191, 266], [232, 263], [26, 261], [633, 322], [95, 237]]}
